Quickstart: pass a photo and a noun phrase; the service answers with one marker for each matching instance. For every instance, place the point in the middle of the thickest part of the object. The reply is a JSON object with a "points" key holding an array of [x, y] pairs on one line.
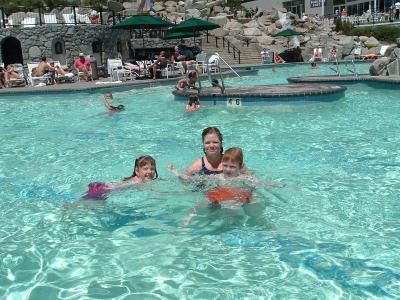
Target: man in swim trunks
{"points": [[83, 65]]}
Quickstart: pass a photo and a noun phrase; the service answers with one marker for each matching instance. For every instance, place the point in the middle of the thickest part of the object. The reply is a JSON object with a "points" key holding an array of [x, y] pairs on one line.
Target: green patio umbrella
{"points": [[194, 25], [288, 32], [143, 22], [179, 35]]}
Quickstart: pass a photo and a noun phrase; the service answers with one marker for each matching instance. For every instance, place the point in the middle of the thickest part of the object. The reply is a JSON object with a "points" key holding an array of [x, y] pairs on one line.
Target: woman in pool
{"points": [[143, 171], [210, 163]]}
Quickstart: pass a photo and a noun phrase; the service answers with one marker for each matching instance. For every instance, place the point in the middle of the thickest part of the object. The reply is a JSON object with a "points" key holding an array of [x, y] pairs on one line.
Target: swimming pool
{"points": [[331, 233]]}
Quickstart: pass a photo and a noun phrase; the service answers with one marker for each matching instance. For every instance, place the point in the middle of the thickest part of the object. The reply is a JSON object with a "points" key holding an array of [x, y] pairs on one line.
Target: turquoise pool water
{"points": [[332, 233]]}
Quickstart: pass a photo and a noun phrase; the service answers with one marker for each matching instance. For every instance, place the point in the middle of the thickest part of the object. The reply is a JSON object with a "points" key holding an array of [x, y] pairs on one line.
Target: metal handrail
{"points": [[335, 69], [229, 45], [353, 70]]}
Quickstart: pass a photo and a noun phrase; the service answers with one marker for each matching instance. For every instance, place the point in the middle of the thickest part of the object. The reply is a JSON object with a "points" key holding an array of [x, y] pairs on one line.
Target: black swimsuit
{"points": [[205, 171]]}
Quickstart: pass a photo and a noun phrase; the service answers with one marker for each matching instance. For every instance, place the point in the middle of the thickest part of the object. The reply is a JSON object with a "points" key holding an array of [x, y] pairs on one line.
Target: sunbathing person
{"points": [[44, 68], [160, 63], [11, 73], [2, 80]]}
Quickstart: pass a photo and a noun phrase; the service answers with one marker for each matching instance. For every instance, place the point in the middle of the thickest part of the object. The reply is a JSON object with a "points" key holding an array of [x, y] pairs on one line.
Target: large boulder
{"points": [[115, 6], [252, 32], [170, 3], [371, 42], [220, 20], [378, 67], [193, 12]]}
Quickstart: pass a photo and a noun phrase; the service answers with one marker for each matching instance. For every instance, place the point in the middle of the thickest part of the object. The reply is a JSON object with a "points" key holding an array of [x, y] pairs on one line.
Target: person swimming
{"points": [[193, 104], [144, 170], [106, 98]]}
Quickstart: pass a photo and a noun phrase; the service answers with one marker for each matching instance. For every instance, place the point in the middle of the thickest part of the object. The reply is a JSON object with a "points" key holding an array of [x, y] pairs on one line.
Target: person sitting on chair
{"points": [[333, 53], [10, 73], [278, 59], [160, 63], [83, 65]]}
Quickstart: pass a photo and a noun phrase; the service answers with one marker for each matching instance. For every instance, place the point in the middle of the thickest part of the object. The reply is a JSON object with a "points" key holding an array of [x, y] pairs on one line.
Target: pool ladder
{"points": [[352, 68]]}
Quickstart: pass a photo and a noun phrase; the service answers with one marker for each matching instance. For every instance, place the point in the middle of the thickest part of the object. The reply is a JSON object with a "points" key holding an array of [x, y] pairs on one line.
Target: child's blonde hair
{"points": [[233, 155]]}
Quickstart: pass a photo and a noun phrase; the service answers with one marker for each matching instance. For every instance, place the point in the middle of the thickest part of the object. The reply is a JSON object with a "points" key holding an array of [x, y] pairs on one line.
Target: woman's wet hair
{"points": [[193, 99], [233, 155], [213, 130], [141, 162]]}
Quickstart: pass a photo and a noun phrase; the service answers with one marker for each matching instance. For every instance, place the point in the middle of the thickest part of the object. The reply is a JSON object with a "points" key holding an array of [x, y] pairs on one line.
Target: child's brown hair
{"points": [[234, 155], [140, 162]]}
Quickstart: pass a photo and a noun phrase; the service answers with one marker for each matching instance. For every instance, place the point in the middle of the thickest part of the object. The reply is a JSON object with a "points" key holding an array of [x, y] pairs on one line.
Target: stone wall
{"points": [[40, 41]]}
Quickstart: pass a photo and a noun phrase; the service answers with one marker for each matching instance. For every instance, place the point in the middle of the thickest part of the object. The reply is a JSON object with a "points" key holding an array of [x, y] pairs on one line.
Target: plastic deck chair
{"points": [[50, 19], [43, 80], [29, 22], [116, 68]]}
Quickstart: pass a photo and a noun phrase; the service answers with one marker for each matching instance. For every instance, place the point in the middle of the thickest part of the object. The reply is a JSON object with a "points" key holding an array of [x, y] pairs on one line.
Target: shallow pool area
{"points": [[331, 233]]}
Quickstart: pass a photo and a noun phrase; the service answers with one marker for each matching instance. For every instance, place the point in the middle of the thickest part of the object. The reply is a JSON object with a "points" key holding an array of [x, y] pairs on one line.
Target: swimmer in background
{"points": [[314, 65], [215, 83], [186, 84], [193, 103], [144, 171], [111, 109]]}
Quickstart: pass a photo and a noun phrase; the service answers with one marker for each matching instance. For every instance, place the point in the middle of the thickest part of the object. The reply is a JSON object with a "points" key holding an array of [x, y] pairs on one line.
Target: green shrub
{"points": [[382, 33], [344, 26]]}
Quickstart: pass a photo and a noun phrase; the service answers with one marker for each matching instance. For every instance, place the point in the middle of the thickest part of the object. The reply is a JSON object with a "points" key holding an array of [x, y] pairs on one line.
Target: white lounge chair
{"points": [[50, 19], [116, 68], [29, 22], [67, 77], [69, 18], [43, 80], [83, 19]]}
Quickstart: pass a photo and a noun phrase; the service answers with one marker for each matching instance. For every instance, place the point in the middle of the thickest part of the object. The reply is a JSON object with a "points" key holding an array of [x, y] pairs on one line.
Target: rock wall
{"points": [[40, 41]]}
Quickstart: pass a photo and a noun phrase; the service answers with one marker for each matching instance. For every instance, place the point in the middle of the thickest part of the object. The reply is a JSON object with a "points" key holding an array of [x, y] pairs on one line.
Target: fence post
{"points": [[2, 17], [101, 15], [239, 56], [234, 53], [229, 51], [216, 42], [74, 11], [207, 36], [40, 16], [223, 42], [113, 16]]}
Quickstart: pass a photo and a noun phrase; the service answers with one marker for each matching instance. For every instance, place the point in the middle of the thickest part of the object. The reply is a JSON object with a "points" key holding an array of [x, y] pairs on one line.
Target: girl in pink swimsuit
{"points": [[144, 171]]}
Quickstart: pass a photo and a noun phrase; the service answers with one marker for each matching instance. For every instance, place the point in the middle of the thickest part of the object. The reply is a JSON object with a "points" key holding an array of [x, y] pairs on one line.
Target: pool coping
{"points": [[105, 85]]}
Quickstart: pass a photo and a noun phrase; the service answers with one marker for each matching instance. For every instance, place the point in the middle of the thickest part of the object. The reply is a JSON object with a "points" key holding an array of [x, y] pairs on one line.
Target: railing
{"points": [[335, 67], [71, 15], [353, 69], [225, 42], [371, 19]]}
